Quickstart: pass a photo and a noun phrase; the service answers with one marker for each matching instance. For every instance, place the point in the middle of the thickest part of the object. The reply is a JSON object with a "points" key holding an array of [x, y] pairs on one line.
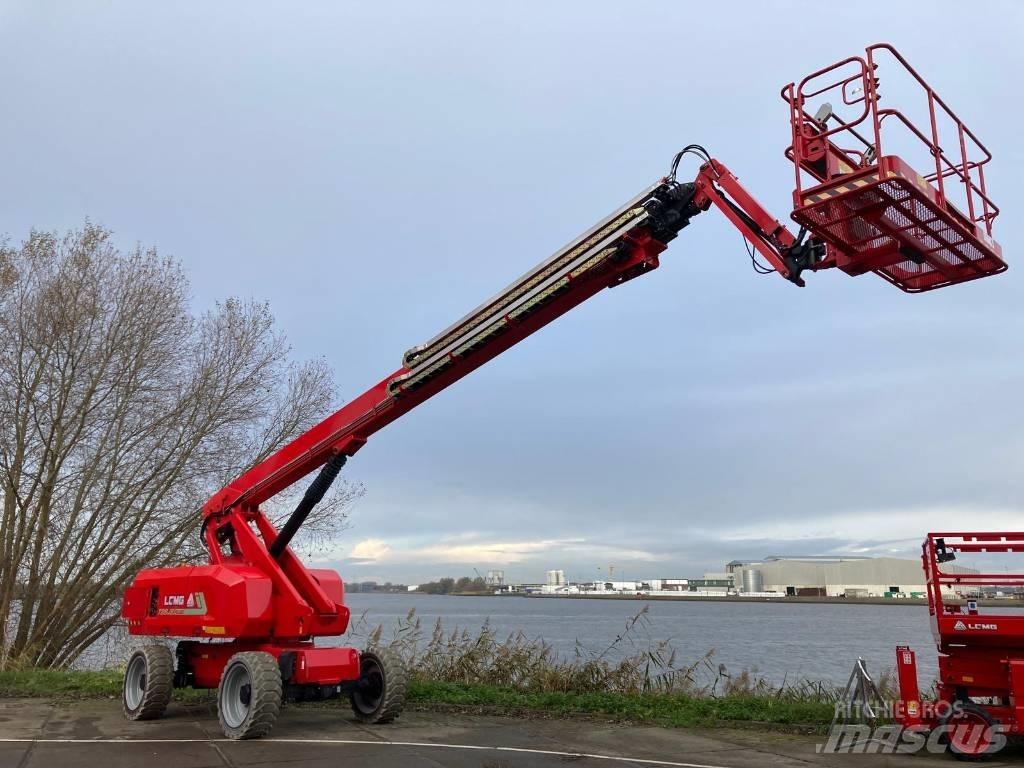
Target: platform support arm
{"points": [[788, 254]]}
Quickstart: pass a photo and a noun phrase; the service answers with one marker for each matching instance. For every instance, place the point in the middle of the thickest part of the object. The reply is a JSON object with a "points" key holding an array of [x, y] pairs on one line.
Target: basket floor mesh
{"points": [[893, 229]]}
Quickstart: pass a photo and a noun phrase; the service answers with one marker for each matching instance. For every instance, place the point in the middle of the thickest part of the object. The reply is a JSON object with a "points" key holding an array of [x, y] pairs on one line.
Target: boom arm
{"points": [[867, 211], [788, 255], [622, 246]]}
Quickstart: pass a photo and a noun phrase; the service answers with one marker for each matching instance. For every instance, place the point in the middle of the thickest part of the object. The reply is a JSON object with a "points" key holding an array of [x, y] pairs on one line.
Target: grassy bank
{"points": [[72, 685], [665, 709], [635, 677]]}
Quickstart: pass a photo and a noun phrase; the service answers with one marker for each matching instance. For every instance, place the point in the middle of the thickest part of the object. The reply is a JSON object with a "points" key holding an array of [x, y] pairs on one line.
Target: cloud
{"points": [[510, 552], [473, 549], [883, 527], [683, 550], [370, 549]]}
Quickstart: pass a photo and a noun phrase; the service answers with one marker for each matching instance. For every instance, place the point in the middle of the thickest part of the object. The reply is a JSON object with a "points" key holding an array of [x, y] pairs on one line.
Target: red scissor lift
{"points": [[981, 657]]}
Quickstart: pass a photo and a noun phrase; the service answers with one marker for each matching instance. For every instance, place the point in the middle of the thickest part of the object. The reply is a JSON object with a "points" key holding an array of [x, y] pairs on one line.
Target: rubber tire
{"points": [[265, 696], [980, 712], [396, 687], [156, 693]]}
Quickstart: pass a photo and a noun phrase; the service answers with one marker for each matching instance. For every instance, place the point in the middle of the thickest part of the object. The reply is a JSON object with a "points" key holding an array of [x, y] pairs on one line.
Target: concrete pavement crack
{"points": [[31, 747], [211, 740]]}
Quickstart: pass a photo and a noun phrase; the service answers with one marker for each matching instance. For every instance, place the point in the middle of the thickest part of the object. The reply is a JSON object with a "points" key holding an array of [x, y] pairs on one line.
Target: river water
{"points": [[780, 642]]}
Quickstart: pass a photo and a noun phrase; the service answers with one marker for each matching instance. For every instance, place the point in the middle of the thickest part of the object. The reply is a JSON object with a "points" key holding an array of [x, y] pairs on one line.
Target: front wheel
{"points": [[147, 683], [379, 693], [249, 695], [969, 732]]}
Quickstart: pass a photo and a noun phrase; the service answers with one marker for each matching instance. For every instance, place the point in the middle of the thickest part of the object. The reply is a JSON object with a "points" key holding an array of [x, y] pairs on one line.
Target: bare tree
{"points": [[120, 413]]}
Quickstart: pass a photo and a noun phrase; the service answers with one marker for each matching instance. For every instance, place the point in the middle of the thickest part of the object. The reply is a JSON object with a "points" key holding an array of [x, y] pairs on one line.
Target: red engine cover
{"points": [[200, 601]]}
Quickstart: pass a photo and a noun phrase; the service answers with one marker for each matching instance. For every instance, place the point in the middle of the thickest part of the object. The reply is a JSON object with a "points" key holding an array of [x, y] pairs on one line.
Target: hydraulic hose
{"points": [[313, 496]]}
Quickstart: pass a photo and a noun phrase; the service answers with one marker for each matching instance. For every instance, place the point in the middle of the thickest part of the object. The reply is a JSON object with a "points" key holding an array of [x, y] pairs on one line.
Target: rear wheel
{"points": [[379, 693], [249, 695], [969, 732], [147, 683]]}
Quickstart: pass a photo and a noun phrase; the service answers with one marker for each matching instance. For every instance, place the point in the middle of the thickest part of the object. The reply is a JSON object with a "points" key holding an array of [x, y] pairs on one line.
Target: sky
{"points": [[375, 170]]}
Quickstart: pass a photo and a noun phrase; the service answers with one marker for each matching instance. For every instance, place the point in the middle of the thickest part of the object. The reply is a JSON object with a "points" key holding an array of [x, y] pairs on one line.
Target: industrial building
{"points": [[831, 576], [712, 582], [771, 577], [556, 578], [712, 585]]}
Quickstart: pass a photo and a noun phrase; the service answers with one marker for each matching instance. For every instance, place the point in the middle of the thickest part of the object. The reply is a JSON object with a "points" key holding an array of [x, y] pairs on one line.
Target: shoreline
{"points": [[804, 709], [1011, 604]]}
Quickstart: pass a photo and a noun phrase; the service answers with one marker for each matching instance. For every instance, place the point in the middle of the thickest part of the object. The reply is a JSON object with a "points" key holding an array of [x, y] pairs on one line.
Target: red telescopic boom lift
{"points": [[252, 613]]}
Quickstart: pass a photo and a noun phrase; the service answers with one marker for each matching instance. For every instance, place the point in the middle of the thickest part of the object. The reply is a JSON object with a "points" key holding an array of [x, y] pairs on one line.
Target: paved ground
{"points": [[93, 734]]}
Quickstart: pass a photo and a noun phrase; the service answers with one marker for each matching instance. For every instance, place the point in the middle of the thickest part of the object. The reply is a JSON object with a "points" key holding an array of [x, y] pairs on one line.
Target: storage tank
{"points": [[753, 580]]}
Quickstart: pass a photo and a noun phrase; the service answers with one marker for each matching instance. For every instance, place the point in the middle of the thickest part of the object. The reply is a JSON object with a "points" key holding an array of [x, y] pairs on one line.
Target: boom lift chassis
{"points": [[251, 615]]}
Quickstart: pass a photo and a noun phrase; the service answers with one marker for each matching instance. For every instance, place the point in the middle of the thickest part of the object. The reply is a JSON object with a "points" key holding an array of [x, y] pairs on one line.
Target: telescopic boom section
{"points": [[624, 245]]}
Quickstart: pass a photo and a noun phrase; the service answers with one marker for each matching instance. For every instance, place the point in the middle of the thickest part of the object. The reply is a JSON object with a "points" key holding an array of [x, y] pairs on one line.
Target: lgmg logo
{"points": [[962, 626], [192, 604]]}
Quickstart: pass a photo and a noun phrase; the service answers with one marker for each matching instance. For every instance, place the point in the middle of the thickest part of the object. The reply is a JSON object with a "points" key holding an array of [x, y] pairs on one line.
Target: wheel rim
{"points": [[969, 734], [135, 682], [369, 691], [236, 695]]}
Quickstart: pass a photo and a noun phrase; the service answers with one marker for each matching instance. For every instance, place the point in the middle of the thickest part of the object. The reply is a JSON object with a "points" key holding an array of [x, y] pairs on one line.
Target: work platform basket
{"points": [[876, 211]]}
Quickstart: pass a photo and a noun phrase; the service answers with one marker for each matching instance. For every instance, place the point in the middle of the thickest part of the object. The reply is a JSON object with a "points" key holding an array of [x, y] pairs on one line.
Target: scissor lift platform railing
{"points": [[954, 630]]}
